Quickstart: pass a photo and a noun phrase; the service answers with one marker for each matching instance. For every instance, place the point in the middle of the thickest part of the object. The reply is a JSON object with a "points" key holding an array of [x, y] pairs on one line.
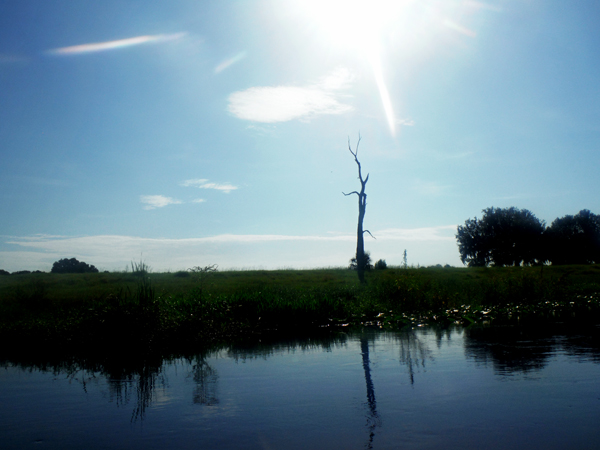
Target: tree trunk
{"points": [[360, 241], [362, 206]]}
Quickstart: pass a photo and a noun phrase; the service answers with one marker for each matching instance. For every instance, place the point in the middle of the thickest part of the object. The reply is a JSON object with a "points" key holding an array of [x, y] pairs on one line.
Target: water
{"points": [[422, 389]]}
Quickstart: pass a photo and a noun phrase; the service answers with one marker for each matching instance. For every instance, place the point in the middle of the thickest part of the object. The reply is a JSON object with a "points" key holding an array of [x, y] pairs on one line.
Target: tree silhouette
{"points": [[574, 239], [503, 237], [72, 266], [362, 205]]}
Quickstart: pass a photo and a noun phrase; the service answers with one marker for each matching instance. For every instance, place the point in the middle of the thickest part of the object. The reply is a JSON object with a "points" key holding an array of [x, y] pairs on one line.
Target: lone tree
{"points": [[503, 237], [361, 262]]}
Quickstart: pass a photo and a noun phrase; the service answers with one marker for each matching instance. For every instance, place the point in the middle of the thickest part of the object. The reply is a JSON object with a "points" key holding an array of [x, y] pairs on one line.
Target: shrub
{"points": [[4, 272], [380, 264], [354, 266], [72, 266], [182, 274]]}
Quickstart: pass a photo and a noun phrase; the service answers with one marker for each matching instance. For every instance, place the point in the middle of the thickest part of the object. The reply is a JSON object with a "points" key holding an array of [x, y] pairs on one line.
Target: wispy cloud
{"points": [[461, 155], [429, 245], [270, 104], [202, 183], [430, 187], [158, 201], [481, 5], [111, 45], [406, 122], [440, 233]]}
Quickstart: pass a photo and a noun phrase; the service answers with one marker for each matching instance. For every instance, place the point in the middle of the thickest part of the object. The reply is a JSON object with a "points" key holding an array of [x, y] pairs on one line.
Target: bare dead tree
{"points": [[362, 205]]}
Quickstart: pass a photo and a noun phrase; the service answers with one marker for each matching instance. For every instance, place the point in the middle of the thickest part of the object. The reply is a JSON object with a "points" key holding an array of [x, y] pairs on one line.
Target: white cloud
{"points": [[338, 79], [157, 201], [406, 122], [202, 183], [195, 182], [270, 104], [198, 200], [425, 246]]}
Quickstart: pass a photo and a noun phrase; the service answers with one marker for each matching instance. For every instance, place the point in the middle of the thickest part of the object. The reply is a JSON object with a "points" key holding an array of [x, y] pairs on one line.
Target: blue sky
{"points": [[190, 133]]}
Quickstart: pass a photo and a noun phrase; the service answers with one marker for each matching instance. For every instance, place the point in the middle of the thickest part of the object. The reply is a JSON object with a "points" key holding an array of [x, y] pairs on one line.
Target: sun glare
{"points": [[373, 28], [359, 25], [356, 24]]}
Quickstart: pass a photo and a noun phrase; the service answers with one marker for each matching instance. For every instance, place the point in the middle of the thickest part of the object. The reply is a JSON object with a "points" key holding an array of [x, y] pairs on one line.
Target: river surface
{"points": [[492, 388]]}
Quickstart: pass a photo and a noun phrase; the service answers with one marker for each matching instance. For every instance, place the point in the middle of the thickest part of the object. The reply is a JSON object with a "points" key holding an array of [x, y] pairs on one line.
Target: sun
{"points": [[360, 26], [370, 28], [356, 24]]}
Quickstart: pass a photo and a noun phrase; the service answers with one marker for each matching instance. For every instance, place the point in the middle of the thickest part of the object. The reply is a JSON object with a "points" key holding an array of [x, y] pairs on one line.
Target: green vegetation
{"points": [[143, 309]]}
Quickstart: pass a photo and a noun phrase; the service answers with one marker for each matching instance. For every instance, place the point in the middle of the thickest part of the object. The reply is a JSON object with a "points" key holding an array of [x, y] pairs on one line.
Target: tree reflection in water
{"points": [[140, 380], [205, 379], [413, 353], [373, 420], [527, 348], [146, 379]]}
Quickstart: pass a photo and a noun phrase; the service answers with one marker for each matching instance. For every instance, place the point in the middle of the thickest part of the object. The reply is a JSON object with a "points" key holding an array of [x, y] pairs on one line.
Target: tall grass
{"points": [[152, 309]]}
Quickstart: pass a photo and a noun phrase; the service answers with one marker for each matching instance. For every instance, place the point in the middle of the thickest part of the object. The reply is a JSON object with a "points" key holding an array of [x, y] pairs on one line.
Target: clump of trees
{"points": [[502, 237], [380, 264], [66, 265], [574, 239], [512, 236]]}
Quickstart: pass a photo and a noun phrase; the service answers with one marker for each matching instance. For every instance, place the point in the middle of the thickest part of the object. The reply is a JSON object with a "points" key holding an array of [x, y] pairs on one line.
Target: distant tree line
{"points": [[512, 236], [19, 272]]}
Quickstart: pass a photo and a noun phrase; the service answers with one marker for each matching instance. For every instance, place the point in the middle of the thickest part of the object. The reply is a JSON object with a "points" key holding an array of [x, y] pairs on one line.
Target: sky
{"points": [[187, 133]]}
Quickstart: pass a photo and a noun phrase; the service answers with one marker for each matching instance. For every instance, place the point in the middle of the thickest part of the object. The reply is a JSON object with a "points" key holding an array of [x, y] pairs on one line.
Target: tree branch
{"points": [[367, 231], [350, 193], [355, 153]]}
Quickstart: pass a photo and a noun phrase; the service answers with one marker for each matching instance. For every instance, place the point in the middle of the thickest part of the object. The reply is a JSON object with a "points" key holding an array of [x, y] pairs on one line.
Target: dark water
{"points": [[493, 388]]}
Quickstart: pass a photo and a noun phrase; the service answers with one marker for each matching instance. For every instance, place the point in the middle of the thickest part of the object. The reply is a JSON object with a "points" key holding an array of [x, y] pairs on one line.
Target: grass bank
{"points": [[141, 309]]}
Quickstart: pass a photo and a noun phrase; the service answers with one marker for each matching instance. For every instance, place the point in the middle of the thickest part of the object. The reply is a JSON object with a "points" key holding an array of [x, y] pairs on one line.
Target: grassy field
{"points": [[164, 309]]}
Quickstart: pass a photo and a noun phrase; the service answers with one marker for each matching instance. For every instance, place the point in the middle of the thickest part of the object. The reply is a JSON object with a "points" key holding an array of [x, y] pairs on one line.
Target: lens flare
{"points": [[375, 61], [229, 62]]}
